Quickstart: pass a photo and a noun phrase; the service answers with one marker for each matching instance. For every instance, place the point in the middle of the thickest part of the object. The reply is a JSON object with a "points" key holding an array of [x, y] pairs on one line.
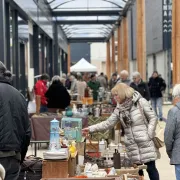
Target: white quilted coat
{"points": [[138, 137]]}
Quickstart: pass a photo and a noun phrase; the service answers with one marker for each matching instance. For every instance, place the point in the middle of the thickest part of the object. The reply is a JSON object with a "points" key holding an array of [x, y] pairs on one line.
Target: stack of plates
{"points": [[60, 154]]}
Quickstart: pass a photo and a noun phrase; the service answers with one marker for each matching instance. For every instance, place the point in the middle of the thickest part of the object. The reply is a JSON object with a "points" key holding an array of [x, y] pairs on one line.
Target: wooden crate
{"points": [[59, 168], [92, 146]]}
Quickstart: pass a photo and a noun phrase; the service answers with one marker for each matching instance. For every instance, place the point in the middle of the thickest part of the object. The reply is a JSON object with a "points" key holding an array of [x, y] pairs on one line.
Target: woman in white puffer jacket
{"points": [[131, 111]]}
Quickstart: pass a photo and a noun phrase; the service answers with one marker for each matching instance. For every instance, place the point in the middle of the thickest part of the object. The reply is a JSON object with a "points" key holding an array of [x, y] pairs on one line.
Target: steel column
{"points": [[42, 54], [62, 60], [59, 62], [56, 49], [47, 56], [69, 58], [51, 65], [36, 49], [15, 48], [31, 57], [7, 35], [46, 68], [22, 69], [66, 60], [2, 31]]}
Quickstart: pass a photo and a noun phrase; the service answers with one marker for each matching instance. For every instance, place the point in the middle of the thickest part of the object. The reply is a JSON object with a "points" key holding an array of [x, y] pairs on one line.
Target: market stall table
{"points": [[40, 128]]}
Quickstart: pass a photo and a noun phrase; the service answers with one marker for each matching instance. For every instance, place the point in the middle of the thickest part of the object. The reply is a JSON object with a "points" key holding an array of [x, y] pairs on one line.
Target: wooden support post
{"points": [[119, 49], [125, 44], [176, 41], [141, 38], [108, 64], [69, 58], [113, 70]]}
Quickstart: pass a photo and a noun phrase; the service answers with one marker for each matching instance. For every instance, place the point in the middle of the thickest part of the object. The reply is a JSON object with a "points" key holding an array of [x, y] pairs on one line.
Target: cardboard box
{"points": [[59, 168], [92, 146]]}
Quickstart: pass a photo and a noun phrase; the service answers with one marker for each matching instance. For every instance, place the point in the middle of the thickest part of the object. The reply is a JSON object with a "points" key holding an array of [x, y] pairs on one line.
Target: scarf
{"points": [[124, 109]]}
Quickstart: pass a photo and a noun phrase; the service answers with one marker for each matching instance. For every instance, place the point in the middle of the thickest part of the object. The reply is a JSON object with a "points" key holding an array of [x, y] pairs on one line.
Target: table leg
{"points": [[35, 149]]}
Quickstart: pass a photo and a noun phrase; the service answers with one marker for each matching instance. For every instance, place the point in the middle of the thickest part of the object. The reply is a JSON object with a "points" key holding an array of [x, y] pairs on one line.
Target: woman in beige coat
{"points": [[139, 121]]}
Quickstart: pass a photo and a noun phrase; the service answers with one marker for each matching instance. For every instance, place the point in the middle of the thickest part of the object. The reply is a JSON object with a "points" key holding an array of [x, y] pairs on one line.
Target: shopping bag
{"points": [[32, 107], [159, 132]]}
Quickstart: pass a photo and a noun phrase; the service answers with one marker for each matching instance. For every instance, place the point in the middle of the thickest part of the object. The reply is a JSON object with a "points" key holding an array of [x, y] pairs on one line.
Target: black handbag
{"points": [[31, 169]]}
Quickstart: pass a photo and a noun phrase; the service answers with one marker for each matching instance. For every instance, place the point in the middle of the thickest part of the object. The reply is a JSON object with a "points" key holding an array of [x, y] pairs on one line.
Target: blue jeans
{"points": [[157, 104], [43, 109], [177, 170]]}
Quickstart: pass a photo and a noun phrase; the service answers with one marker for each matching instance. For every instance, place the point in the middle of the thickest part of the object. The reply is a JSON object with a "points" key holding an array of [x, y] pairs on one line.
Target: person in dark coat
{"points": [[15, 131], [57, 95], [68, 82], [113, 81], [172, 132], [156, 86], [140, 86]]}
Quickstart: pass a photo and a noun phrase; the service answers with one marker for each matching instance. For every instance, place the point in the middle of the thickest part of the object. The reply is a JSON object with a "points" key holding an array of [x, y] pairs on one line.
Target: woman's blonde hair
{"points": [[123, 91]]}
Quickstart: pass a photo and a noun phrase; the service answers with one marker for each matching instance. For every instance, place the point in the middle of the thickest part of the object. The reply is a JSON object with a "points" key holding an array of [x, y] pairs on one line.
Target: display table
{"points": [[59, 168], [40, 127]]}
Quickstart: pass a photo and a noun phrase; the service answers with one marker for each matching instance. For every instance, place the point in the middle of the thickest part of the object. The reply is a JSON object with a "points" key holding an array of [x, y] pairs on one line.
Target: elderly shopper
{"points": [[57, 96], [124, 77], [172, 132], [139, 85], [138, 131]]}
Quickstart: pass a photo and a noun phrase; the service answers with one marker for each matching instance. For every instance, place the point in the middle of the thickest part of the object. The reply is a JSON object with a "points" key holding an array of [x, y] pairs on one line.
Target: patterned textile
{"points": [[124, 109], [98, 135]]}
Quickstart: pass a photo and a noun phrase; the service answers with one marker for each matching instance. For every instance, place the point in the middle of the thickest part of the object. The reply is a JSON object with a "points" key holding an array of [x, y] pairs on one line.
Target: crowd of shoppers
{"points": [[15, 132], [133, 111]]}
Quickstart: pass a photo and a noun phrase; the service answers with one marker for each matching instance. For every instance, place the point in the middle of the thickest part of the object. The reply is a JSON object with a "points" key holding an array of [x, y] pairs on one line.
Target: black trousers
{"points": [[11, 166], [152, 171]]}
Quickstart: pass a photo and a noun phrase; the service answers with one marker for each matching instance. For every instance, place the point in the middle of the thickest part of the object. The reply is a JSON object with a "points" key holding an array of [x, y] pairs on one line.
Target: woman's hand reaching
{"points": [[85, 131]]}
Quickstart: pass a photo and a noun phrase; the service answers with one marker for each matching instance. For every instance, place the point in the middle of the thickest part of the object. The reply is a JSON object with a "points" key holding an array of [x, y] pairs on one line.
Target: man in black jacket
{"points": [[113, 81], [140, 86], [156, 86], [15, 130]]}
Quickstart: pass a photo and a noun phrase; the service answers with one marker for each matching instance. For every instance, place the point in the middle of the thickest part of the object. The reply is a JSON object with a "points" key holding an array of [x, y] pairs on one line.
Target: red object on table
{"points": [[40, 127], [94, 154]]}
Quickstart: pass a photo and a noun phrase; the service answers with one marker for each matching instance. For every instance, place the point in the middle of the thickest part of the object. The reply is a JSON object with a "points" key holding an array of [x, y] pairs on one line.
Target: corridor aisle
{"points": [[166, 171]]}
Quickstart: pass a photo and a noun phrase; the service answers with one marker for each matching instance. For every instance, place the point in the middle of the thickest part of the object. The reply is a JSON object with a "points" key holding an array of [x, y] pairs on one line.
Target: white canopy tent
{"points": [[83, 66]]}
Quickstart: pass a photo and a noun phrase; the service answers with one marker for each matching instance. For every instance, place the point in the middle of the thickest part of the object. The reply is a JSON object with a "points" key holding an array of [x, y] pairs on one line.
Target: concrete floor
{"points": [[166, 171]]}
